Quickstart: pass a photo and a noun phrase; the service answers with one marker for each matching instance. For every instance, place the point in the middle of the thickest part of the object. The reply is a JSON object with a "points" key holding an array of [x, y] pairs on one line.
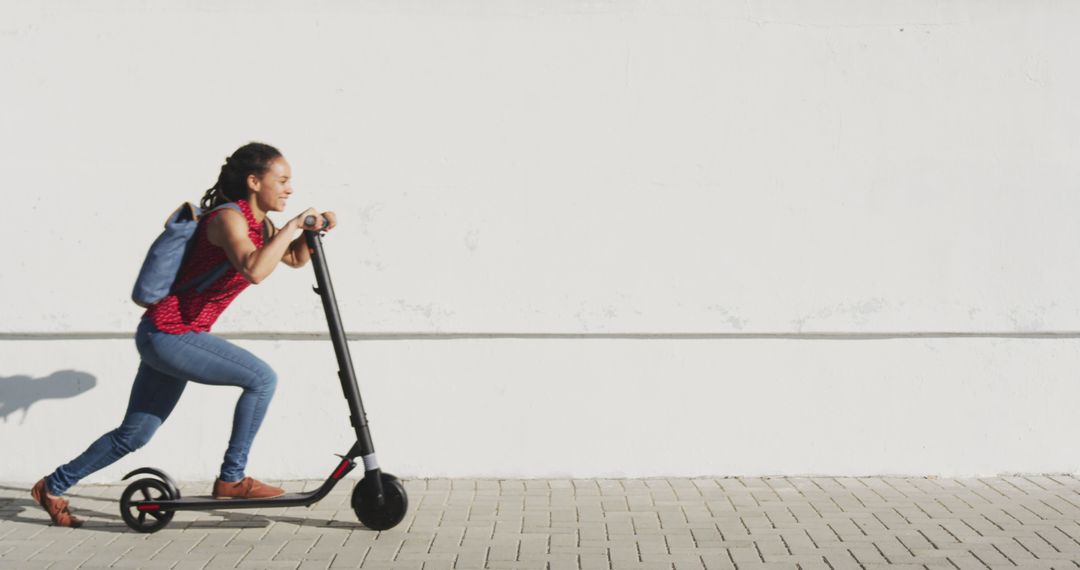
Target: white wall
{"points": [[674, 199]]}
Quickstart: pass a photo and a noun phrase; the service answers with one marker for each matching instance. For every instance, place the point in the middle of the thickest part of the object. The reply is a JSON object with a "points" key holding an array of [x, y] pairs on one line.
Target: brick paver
{"points": [[829, 523]]}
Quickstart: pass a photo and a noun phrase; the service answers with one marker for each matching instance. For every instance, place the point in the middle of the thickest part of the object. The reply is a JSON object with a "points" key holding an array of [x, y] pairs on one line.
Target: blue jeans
{"points": [[168, 362]]}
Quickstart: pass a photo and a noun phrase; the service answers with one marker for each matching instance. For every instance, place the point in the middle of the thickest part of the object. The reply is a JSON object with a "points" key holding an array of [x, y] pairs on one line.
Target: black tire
{"points": [[392, 511], [144, 490]]}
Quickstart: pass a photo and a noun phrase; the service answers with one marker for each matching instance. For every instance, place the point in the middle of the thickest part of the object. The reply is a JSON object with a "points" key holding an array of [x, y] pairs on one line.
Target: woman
{"points": [[173, 337]]}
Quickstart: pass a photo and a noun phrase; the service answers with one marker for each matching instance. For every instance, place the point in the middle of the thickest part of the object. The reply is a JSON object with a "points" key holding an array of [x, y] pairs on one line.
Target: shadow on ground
{"points": [[20, 392]]}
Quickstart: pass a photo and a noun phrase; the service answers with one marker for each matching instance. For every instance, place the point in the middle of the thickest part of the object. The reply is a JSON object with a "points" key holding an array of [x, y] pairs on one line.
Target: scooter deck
{"points": [[205, 502]]}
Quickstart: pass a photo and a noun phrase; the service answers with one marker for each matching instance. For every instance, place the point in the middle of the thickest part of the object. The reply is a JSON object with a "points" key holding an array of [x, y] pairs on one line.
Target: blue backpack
{"points": [[157, 277]]}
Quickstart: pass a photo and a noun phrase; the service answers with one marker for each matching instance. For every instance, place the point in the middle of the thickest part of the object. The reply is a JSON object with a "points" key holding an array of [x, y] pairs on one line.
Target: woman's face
{"points": [[274, 187]]}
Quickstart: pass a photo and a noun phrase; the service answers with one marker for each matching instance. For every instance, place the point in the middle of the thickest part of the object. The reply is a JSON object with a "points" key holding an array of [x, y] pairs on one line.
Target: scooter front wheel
{"points": [[139, 518], [367, 506]]}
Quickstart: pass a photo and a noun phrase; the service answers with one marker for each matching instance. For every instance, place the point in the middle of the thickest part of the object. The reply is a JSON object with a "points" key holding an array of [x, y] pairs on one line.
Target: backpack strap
{"points": [[201, 282]]}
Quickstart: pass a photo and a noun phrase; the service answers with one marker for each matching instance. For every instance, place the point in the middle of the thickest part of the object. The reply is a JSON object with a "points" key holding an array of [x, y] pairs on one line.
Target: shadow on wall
{"points": [[21, 392]]}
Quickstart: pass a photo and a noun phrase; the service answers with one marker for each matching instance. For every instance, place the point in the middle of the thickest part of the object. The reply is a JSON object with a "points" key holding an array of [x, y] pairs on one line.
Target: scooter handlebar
{"points": [[309, 223]]}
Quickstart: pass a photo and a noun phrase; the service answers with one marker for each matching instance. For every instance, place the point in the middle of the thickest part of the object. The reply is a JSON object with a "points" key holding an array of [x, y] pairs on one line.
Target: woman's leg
{"points": [[153, 397], [207, 359]]}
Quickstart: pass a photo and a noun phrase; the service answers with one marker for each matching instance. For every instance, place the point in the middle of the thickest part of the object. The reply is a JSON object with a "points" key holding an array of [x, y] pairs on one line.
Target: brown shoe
{"points": [[246, 488], [55, 506]]}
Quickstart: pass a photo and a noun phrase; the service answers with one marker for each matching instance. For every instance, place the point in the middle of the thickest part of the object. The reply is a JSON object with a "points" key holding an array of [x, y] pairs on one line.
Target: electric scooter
{"points": [[379, 500]]}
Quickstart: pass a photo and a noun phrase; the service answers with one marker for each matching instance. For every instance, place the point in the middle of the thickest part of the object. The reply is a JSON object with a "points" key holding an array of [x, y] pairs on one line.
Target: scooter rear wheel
{"points": [[366, 505], [145, 490]]}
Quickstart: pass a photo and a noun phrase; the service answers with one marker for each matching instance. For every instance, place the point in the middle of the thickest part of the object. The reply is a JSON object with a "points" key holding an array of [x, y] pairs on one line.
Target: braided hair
{"points": [[252, 158]]}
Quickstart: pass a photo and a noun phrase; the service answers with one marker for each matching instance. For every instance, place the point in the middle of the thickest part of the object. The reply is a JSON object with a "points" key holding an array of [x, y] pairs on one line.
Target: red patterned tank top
{"points": [[191, 310]]}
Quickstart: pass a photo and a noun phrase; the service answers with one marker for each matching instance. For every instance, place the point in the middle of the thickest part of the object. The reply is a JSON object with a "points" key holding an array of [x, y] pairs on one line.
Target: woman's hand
{"points": [[298, 221], [298, 253], [331, 219], [327, 218]]}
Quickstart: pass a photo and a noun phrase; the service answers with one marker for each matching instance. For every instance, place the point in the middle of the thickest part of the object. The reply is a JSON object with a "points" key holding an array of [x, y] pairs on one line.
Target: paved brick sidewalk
{"points": [[744, 523]]}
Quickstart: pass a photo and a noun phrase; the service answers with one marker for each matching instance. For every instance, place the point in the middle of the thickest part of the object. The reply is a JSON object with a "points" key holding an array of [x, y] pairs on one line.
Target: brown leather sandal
{"points": [[246, 488], [55, 506]]}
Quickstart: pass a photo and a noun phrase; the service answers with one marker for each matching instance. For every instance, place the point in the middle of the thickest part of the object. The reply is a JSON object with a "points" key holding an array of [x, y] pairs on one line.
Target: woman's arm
{"points": [[229, 231]]}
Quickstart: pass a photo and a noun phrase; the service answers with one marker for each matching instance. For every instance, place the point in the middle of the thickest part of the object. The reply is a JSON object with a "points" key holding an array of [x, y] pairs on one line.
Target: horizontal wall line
{"points": [[369, 336]]}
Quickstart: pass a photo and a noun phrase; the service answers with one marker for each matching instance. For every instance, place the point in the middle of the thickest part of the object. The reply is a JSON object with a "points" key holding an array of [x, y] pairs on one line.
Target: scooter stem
{"points": [[364, 447]]}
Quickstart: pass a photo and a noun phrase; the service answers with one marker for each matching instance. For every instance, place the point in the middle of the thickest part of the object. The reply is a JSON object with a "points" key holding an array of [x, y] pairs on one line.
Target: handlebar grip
{"points": [[309, 223]]}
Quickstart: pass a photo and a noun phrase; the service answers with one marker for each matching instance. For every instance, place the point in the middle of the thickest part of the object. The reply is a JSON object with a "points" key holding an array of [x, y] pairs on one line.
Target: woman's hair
{"points": [[252, 158]]}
